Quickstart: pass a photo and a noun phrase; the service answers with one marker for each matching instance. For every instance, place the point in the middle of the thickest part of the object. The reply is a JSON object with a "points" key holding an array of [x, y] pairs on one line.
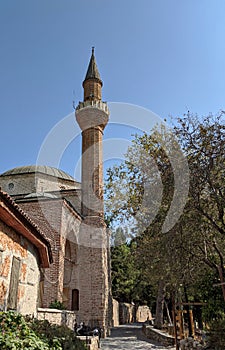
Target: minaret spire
{"points": [[92, 83]]}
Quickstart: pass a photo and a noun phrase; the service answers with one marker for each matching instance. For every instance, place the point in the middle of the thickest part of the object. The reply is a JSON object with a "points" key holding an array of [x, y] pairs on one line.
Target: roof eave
{"points": [[16, 220]]}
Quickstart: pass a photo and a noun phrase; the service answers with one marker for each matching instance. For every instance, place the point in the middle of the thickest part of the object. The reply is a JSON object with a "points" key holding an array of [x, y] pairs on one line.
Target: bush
{"points": [[63, 334], [57, 305], [216, 335], [31, 334], [16, 334]]}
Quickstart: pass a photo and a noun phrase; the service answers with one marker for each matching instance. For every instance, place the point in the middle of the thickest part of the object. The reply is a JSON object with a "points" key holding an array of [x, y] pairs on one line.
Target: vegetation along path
{"points": [[129, 337]]}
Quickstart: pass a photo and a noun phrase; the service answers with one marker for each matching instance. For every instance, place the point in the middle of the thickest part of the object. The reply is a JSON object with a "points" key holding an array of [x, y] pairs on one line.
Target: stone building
{"points": [[71, 215], [24, 252]]}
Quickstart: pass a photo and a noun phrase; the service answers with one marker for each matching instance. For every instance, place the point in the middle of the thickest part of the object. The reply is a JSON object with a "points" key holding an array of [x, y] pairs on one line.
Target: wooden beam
{"points": [[194, 303]]}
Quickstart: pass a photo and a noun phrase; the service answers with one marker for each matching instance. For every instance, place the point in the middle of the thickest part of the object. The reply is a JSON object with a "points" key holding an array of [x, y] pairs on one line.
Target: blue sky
{"points": [[165, 55]]}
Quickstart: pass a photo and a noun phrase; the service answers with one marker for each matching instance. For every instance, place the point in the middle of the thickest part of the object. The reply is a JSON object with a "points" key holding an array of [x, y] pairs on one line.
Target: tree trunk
{"points": [[160, 305], [188, 313], [220, 271]]}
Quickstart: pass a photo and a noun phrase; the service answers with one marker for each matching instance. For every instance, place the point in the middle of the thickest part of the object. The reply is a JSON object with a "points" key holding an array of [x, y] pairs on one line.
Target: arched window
{"points": [[75, 300], [67, 264], [67, 250]]}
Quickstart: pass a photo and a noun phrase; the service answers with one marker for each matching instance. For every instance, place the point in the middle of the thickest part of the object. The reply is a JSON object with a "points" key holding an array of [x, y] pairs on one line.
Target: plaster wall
{"points": [[14, 245]]}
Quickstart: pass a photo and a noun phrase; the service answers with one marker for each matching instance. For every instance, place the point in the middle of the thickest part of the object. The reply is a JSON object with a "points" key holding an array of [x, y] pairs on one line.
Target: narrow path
{"points": [[130, 337]]}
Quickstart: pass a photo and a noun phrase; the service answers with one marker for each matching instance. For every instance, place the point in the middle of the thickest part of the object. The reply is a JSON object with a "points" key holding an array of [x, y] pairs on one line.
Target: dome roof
{"points": [[47, 170], [39, 194]]}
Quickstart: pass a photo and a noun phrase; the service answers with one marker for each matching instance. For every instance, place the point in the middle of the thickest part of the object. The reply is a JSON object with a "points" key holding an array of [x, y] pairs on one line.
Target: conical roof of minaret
{"points": [[92, 71]]}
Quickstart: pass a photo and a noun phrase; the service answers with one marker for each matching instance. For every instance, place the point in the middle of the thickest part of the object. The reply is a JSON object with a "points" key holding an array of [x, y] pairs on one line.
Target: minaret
{"points": [[92, 116]]}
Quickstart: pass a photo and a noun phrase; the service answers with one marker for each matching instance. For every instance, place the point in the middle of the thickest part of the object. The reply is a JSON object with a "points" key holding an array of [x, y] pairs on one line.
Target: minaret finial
{"points": [[93, 50]]}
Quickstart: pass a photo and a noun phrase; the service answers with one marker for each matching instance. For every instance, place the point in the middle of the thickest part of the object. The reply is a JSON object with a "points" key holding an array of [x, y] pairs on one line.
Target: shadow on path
{"points": [[130, 336]]}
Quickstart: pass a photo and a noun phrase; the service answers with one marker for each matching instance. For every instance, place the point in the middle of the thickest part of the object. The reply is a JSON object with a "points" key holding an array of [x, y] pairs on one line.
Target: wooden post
{"points": [[174, 321], [181, 323], [192, 323], [175, 328]]}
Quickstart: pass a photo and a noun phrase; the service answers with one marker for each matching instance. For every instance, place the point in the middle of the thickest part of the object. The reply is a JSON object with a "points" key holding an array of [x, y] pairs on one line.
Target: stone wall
{"points": [[13, 245], [14, 184], [143, 314], [116, 319], [92, 343], [126, 313], [68, 318], [159, 336], [18, 184], [58, 317]]}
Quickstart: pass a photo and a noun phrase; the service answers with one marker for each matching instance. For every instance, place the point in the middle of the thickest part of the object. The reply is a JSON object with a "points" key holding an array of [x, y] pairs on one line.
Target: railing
{"points": [[97, 104]]}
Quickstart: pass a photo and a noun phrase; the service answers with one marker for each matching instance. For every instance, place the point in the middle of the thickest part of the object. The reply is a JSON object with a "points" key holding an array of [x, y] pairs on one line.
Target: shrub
{"points": [[16, 334], [57, 305], [22, 333], [216, 334], [63, 334]]}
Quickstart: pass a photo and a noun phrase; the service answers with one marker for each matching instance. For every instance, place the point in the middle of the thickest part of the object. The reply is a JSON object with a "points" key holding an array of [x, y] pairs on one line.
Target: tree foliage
{"points": [[142, 189]]}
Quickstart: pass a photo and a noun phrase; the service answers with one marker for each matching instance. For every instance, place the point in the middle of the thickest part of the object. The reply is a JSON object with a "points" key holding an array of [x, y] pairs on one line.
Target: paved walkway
{"points": [[130, 337]]}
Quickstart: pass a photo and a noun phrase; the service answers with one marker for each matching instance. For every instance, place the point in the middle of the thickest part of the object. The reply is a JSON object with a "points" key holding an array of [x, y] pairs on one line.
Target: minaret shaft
{"points": [[92, 173]]}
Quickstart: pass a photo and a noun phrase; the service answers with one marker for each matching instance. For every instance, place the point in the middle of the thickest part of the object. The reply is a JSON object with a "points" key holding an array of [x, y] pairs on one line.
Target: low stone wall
{"points": [[58, 317], [157, 335], [92, 343], [68, 318]]}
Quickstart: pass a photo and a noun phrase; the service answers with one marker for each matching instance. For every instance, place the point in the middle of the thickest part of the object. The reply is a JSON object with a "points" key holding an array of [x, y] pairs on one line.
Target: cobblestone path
{"points": [[129, 337]]}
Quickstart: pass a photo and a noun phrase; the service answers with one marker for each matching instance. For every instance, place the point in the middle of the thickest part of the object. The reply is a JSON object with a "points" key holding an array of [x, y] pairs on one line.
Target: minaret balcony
{"points": [[93, 104]]}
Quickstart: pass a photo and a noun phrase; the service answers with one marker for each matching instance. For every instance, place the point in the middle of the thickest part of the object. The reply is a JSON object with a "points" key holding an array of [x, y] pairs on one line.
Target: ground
{"points": [[128, 337]]}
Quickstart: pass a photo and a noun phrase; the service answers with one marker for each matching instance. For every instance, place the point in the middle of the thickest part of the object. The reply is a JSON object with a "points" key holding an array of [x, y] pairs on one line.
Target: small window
{"points": [[75, 300], [11, 186]]}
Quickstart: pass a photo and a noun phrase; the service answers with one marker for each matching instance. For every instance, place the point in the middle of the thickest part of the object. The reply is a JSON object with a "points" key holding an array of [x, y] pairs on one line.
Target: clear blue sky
{"points": [[165, 55]]}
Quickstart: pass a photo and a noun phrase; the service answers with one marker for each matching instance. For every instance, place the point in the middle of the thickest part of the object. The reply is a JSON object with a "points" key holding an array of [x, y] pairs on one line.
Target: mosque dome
{"points": [[43, 169]]}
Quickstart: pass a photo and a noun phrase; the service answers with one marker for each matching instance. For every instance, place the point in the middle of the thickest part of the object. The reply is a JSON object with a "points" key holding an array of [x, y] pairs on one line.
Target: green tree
{"points": [[203, 141], [141, 189], [123, 272]]}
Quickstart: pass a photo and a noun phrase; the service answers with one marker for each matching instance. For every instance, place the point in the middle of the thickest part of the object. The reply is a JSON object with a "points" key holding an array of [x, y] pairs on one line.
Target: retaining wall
{"points": [[58, 317], [157, 335]]}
